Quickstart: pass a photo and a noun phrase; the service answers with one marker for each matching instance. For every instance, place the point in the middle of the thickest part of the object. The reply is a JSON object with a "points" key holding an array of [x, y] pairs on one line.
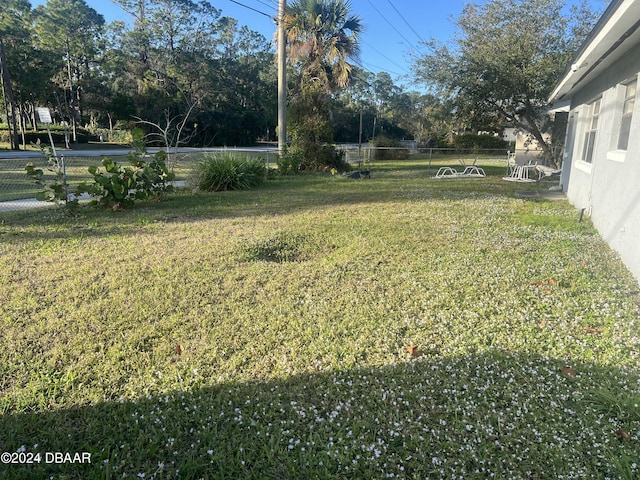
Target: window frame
{"points": [[628, 104], [592, 123]]}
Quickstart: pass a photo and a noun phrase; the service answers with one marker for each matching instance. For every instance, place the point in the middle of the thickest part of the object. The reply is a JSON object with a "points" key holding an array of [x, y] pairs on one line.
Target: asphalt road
{"points": [[125, 151]]}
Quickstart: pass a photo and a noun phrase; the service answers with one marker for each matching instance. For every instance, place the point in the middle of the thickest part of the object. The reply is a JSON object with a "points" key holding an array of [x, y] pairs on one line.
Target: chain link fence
{"points": [[18, 191]]}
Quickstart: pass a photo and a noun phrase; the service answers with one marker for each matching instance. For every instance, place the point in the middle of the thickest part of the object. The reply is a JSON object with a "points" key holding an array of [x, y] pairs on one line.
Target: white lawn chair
{"points": [[446, 172], [473, 172], [511, 162], [544, 171], [519, 172], [470, 171]]}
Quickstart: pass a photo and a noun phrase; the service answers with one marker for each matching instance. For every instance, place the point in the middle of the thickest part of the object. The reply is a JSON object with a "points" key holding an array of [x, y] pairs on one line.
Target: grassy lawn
{"points": [[267, 334]]}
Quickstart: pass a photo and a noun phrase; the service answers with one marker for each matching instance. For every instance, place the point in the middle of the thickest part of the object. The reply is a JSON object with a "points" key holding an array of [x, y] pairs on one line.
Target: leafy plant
{"points": [[318, 157], [389, 149], [56, 190], [220, 172], [118, 187], [289, 162]]}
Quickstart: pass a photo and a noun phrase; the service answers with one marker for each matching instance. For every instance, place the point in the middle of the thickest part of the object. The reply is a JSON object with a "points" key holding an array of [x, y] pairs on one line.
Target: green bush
{"points": [[43, 137], [122, 137], [315, 157], [388, 149], [117, 187], [289, 163], [226, 171]]}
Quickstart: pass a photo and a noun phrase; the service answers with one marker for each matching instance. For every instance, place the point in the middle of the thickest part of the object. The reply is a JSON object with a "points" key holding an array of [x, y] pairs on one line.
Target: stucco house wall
{"points": [[608, 186]]}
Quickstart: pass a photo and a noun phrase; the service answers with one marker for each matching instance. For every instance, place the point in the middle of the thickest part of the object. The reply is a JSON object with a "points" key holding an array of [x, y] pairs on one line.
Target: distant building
{"points": [[528, 149], [601, 165]]}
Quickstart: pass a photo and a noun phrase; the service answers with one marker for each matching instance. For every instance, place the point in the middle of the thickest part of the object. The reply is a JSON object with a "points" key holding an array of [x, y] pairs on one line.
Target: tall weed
{"points": [[227, 171]]}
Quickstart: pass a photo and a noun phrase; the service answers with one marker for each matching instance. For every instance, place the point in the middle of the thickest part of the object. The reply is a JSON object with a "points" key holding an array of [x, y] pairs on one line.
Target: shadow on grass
{"points": [[508, 414]]}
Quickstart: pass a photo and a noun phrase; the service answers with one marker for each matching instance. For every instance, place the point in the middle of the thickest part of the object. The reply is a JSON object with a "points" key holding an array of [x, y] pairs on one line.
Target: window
{"points": [[627, 113], [593, 114]]}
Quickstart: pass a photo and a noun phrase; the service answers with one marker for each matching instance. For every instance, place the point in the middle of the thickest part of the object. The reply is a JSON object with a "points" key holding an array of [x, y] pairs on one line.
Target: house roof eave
{"points": [[618, 26]]}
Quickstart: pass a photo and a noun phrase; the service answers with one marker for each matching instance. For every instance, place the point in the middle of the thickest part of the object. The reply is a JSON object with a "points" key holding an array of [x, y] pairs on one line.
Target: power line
{"points": [[365, 67], [384, 56], [265, 4], [251, 8], [392, 25], [405, 21]]}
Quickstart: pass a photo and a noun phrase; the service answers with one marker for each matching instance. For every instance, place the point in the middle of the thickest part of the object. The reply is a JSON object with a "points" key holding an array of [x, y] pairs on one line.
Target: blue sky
{"points": [[393, 28]]}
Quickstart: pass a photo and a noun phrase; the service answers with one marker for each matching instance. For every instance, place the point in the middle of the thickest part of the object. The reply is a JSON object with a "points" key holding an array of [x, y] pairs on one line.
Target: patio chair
{"points": [[544, 171], [470, 171], [519, 172]]}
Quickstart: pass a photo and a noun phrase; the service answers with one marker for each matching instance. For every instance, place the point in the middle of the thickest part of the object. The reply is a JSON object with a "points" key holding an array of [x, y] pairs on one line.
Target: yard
{"points": [[320, 327]]}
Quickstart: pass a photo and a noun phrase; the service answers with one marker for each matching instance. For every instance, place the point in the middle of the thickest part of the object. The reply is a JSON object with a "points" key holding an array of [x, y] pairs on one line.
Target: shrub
{"points": [[117, 187], [122, 137], [388, 149], [289, 163], [219, 172], [315, 157], [42, 136], [326, 157], [53, 190]]}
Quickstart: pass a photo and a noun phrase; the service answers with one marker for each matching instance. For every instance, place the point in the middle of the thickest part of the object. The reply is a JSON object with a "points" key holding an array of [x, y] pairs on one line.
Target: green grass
{"points": [[264, 334]]}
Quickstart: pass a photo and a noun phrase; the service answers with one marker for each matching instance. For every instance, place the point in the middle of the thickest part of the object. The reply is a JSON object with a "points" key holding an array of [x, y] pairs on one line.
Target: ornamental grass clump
{"points": [[228, 171]]}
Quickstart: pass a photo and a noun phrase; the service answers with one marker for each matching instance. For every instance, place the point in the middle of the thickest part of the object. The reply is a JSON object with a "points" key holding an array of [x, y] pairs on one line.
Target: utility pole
{"points": [[282, 79]]}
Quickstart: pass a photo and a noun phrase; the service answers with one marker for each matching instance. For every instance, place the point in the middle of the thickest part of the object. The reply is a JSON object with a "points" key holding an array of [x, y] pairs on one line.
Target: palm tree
{"points": [[322, 38]]}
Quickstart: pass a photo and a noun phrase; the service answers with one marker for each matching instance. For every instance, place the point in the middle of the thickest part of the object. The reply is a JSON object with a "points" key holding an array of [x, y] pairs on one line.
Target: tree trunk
{"points": [[32, 116], [9, 101], [73, 93], [528, 123], [534, 130]]}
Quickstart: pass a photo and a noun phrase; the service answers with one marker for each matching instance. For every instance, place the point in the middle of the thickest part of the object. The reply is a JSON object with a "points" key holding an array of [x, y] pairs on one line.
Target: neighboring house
{"points": [[528, 149], [509, 134], [601, 165]]}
